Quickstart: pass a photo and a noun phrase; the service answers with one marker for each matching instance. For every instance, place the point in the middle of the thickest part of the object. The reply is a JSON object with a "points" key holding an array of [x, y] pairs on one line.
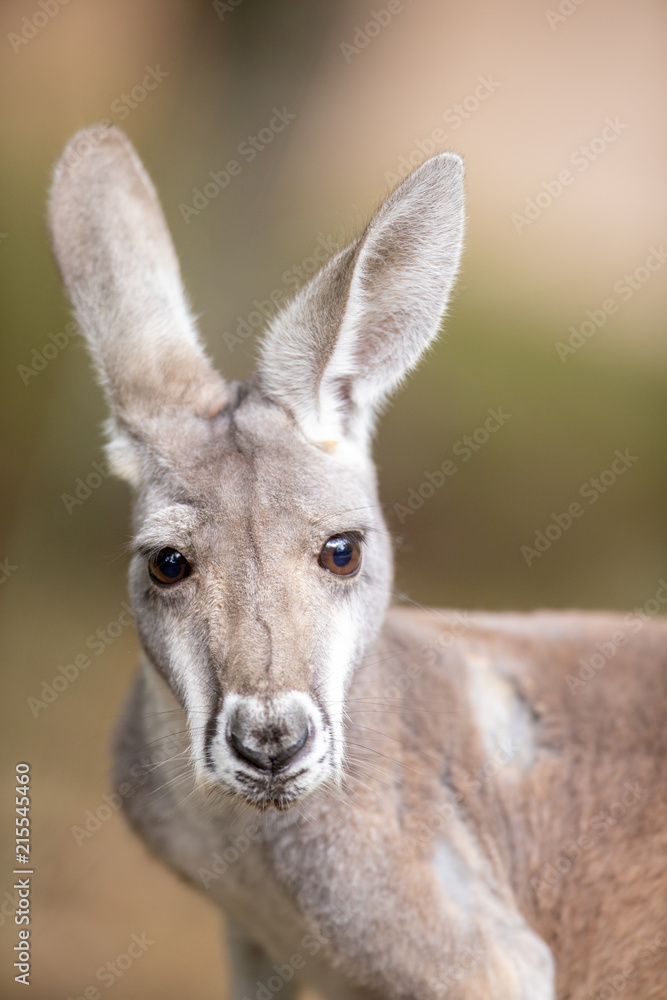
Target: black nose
{"points": [[266, 754]]}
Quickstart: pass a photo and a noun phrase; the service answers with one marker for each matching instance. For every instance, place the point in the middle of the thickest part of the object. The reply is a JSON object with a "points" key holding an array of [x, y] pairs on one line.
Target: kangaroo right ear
{"points": [[120, 268], [352, 334]]}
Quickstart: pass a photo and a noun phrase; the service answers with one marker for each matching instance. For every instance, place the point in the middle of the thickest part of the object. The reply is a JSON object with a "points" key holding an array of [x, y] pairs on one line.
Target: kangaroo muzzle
{"points": [[271, 751], [270, 743]]}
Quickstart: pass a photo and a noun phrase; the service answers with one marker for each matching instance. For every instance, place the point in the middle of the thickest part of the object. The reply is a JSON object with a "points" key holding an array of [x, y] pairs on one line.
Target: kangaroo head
{"points": [[261, 567]]}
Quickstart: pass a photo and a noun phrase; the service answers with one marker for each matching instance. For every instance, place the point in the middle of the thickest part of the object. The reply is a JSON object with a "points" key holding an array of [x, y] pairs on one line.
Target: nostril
{"points": [[260, 760], [275, 760], [283, 758]]}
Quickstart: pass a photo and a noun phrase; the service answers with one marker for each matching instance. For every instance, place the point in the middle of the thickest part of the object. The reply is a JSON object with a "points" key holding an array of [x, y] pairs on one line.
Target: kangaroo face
{"points": [[260, 576], [261, 568]]}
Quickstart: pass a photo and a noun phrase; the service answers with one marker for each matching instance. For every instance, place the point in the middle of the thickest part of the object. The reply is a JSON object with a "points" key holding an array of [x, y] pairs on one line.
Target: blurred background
{"points": [[558, 323]]}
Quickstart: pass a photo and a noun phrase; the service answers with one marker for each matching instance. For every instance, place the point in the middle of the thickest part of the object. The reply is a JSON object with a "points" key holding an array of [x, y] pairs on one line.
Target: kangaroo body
{"points": [[388, 804], [487, 807]]}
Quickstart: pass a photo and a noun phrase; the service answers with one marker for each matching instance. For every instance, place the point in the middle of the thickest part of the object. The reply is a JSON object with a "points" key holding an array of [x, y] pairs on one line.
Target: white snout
{"points": [[271, 751]]}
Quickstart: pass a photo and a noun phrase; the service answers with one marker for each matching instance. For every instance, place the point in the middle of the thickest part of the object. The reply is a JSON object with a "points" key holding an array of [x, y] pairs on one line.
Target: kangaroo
{"points": [[387, 802]]}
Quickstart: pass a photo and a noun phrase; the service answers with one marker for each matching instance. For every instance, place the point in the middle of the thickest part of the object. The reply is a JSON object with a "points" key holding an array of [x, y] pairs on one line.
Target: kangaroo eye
{"points": [[168, 566], [341, 555]]}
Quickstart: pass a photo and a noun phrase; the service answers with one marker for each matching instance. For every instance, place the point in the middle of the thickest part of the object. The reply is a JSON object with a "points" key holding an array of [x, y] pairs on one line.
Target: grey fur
{"points": [[400, 854]]}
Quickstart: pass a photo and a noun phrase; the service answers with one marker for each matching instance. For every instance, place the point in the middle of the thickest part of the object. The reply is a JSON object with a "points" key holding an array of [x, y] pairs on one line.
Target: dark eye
{"points": [[168, 566], [341, 555]]}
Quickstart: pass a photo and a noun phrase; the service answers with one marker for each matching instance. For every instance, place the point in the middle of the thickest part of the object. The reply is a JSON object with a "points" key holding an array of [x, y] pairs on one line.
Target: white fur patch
{"points": [[335, 676], [503, 719], [122, 454], [518, 963], [454, 877]]}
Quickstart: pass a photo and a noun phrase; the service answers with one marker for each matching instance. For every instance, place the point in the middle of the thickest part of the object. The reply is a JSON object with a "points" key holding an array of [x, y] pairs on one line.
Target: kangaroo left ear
{"points": [[120, 268], [354, 332]]}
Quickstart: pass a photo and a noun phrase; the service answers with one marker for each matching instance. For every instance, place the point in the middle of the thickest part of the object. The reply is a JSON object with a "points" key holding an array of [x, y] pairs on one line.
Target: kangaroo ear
{"points": [[352, 334], [121, 272]]}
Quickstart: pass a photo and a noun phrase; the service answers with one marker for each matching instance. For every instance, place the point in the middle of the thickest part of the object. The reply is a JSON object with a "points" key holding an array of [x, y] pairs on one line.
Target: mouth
{"points": [[275, 792]]}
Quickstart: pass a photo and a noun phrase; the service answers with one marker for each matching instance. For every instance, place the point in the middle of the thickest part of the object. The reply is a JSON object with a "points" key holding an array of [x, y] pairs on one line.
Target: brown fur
{"points": [[460, 815]]}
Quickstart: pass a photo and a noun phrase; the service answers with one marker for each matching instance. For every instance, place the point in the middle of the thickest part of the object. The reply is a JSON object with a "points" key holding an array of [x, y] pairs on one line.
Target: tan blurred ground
{"points": [[549, 89]]}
